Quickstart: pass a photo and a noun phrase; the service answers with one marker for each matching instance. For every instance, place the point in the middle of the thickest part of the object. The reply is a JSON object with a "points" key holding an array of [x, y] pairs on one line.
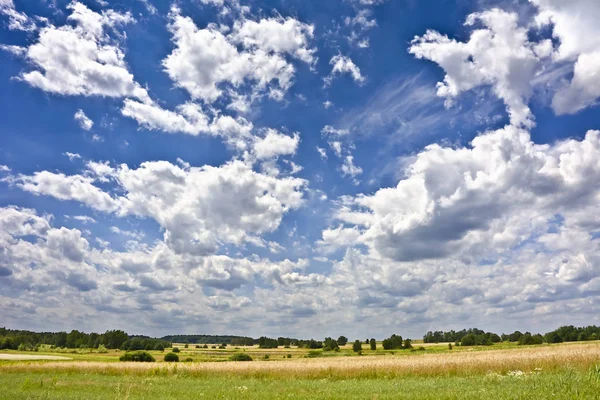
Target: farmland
{"points": [[504, 370]]}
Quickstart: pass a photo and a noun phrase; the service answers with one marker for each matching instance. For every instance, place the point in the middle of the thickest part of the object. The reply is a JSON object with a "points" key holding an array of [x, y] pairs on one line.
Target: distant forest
{"points": [[117, 339]]}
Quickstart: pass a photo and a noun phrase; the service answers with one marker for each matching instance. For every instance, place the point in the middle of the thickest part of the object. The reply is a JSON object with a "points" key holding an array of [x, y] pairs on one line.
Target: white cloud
{"points": [[83, 120], [330, 130], [344, 65], [574, 23], [336, 146], [348, 167], [361, 19], [4, 168], [198, 208], [327, 104], [337, 238], [72, 156], [469, 201], [498, 55], [278, 35], [322, 152], [205, 59], [85, 219], [82, 59], [275, 144], [132, 234], [16, 20]]}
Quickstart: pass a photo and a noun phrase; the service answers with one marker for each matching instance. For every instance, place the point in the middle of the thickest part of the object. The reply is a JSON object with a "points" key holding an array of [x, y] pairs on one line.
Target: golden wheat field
{"points": [[463, 363]]}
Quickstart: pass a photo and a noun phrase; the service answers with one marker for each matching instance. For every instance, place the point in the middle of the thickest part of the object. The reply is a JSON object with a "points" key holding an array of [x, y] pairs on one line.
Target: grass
{"points": [[561, 384], [500, 372]]}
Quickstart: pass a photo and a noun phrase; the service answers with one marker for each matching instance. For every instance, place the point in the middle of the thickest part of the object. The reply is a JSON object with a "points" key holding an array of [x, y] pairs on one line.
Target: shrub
{"points": [[266, 357], [186, 346], [449, 346], [373, 344], [357, 346], [289, 356], [407, 344], [102, 349], [241, 357], [197, 346], [205, 346], [137, 356], [189, 359], [171, 357], [176, 350], [159, 347]]}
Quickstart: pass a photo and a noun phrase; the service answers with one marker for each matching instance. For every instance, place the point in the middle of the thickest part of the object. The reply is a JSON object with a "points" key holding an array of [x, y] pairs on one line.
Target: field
{"points": [[502, 371]]}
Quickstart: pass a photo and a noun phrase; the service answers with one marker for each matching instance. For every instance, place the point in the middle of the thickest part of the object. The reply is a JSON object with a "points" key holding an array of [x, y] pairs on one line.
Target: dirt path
{"points": [[27, 357]]}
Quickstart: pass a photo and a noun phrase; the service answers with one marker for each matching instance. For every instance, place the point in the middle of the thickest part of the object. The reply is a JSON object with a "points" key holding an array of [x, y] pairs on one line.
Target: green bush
{"points": [[266, 357], [137, 356], [289, 356], [189, 359], [241, 357], [102, 349], [176, 350], [171, 357]]}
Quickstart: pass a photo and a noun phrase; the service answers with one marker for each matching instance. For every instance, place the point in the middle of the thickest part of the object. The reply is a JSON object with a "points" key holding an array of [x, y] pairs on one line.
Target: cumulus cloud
{"points": [[275, 144], [83, 120], [499, 55], [204, 60], [199, 208], [574, 25], [344, 65], [82, 58], [493, 195]]}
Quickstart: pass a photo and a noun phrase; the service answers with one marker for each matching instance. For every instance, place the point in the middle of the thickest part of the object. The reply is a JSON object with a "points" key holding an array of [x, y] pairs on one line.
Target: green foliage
{"points": [[176, 350], [267, 343], [393, 342], [407, 344], [171, 357], [373, 344], [357, 346], [529, 339], [102, 349], [186, 346], [266, 357], [137, 356], [240, 357], [289, 356], [189, 359], [330, 344], [342, 340], [449, 346]]}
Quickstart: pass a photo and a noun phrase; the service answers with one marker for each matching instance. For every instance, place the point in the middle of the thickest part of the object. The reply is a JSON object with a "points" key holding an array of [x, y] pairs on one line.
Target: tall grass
{"points": [[548, 358]]}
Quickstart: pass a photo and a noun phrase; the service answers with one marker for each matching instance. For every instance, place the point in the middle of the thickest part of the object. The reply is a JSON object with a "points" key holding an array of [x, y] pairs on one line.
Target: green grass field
{"points": [[504, 371]]}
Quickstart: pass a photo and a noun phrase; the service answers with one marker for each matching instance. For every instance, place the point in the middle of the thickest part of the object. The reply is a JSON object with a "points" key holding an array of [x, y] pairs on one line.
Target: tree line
{"points": [[477, 337], [118, 339], [111, 339]]}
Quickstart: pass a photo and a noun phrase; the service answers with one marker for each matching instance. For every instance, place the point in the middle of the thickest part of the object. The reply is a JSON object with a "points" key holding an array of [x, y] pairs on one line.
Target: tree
{"points": [[407, 344], [357, 346], [330, 344], [342, 340], [393, 342], [468, 340], [373, 344], [171, 357]]}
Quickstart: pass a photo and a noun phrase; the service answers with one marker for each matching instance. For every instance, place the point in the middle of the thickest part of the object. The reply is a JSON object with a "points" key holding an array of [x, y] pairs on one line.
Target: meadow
{"points": [[502, 371]]}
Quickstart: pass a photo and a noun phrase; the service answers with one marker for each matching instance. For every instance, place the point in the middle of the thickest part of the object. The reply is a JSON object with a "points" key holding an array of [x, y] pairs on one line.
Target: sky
{"points": [[296, 168]]}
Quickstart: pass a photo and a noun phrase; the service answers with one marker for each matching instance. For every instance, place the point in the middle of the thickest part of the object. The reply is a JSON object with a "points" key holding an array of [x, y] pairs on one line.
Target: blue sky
{"points": [[356, 167]]}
